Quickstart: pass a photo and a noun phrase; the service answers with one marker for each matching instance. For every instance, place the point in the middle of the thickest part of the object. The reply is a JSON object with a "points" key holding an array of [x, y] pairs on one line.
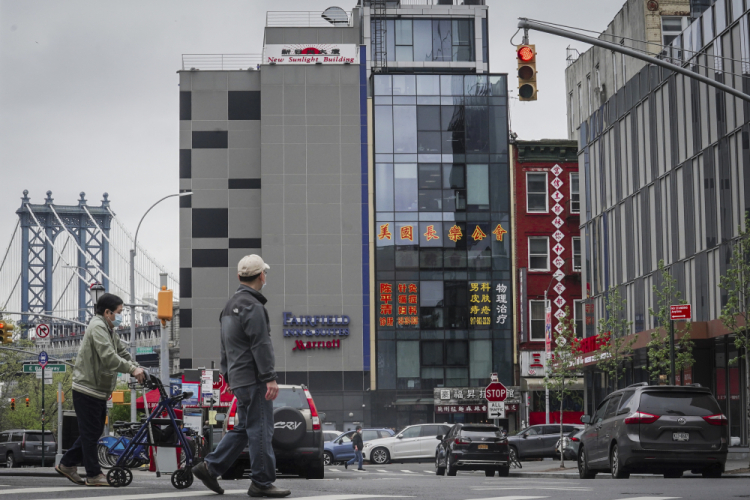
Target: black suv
{"points": [[655, 429], [473, 447], [297, 435]]}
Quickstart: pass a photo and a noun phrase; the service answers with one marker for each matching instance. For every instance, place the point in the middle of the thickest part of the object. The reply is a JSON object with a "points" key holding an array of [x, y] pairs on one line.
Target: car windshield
{"points": [[478, 433], [680, 403], [37, 436], [294, 398]]}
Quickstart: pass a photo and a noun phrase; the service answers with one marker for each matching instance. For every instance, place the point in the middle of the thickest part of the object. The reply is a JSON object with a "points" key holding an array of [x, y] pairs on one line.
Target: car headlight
{"points": [[367, 445]]}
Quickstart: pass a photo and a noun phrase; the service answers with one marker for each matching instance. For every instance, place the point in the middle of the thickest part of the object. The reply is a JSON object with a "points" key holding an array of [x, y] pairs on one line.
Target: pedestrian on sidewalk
{"points": [[247, 364], [100, 358], [357, 445]]}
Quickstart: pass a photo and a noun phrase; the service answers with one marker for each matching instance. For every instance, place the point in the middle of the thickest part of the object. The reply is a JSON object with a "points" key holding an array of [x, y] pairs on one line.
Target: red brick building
{"points": [[547, 259]]}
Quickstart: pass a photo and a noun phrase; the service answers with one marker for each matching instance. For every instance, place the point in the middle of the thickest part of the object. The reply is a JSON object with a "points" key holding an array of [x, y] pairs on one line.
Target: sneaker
{"points": [[201, 472], [69, 472], [362, 469], [346, 465], [267, 491], [100, 480]]}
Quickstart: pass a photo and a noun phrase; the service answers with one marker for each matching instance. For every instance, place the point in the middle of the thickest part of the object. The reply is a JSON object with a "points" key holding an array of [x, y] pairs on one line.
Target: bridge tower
{"points": [[40, 227]]}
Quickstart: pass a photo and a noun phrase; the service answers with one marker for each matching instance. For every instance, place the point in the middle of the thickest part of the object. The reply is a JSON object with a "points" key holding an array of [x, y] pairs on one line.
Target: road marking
{"points": [[185, 494], [382, 470], [334, 470], [38, 490], [430, 471], [650, 498], [509, 498], [405, 471], [572, 488]]}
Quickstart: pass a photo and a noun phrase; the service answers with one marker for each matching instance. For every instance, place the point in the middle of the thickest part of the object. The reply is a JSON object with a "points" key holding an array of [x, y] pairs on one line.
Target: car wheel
{"points": [[327, 458], [503, 471], [583, 465], [10, 460], [618, 471], [673, 474], [714, 471], [449, 469], [489, 472], [380, 456], [440, 471], [315, 470]]}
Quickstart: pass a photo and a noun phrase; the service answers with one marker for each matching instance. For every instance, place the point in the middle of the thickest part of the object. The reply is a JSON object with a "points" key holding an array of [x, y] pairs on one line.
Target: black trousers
{"points": [[92, 414]]}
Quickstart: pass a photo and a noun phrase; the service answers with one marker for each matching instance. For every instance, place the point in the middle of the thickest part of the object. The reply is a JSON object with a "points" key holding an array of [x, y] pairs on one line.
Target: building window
{"points": [[580, 102], [539, 253], [588, 90], [614, 69], [575, 194], [671, 27], [579, 317], [428, 40], [536, 319], [536, 192], [571, 114], [577, 254]]}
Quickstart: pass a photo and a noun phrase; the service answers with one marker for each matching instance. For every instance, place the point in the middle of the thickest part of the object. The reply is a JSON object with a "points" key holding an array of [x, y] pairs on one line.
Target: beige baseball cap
{"points": [[251, 265]]}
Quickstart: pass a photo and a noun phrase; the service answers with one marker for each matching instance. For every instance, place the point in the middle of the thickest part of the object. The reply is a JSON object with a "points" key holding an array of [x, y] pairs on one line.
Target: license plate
{"points": [[483, 447], [38, 447], [680, 436]]}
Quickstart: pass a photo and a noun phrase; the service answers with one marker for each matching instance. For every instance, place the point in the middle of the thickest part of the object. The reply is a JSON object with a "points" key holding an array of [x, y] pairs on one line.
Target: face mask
{"points": [[263, 286], [118, 320]]}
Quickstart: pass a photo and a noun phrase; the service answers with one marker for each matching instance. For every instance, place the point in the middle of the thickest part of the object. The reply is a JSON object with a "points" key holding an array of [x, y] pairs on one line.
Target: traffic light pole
{"points": [[526, 24], [43, 418]]}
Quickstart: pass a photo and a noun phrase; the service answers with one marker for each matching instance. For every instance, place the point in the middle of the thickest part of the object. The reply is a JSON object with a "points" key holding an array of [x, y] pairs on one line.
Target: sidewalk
{"points": [[551, 469], [51, 472]]}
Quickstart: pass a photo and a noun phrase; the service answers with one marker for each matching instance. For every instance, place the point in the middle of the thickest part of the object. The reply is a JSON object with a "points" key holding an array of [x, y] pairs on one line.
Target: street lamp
{"points": [[132, 304], [96, 290]]}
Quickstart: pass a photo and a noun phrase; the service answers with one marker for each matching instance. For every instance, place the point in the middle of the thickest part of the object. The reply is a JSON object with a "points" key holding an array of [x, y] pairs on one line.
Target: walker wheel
{"points": [[119, 476], [182, 478]]}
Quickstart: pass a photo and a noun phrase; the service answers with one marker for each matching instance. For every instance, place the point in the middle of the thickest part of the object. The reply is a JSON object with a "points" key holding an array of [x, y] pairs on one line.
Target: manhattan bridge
{"points": [[54, 255]]}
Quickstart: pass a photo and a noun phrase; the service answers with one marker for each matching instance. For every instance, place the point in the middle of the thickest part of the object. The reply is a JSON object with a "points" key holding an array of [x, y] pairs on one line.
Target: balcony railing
{"points": [[221, 62], [442, 2], [304, 19]]}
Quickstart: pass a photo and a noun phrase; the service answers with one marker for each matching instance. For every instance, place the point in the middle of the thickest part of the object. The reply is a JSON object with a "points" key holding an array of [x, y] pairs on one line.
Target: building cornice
{"points": [[548, 150]]}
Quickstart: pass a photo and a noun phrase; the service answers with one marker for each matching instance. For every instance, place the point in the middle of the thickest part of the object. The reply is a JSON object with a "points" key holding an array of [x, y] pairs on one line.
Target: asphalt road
{"points": [[397, 481]]}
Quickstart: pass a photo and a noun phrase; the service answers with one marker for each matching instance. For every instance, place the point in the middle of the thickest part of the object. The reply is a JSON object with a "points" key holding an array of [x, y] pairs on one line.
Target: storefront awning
{"points": [[414, 401], [537, 384]]}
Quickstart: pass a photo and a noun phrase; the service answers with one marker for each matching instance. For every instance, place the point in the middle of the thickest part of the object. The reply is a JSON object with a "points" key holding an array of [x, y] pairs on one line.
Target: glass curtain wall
{"points": [[443, 242], [441, 40]]}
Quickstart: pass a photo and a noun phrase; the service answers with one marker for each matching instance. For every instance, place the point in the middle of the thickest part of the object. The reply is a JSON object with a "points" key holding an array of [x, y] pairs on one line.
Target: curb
{"points": [[568, 475]]}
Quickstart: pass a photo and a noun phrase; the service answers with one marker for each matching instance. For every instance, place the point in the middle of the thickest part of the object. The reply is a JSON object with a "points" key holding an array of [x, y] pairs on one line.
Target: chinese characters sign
{"points": [[480, 303], [311, 53], [398, 305]]}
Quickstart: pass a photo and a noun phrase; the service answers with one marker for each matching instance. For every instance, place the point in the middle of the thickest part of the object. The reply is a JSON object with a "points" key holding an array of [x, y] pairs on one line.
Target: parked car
{"points": [[655, 429], [570, 445], [341, 449], [473, 447], [413, 444], [297, 437], [538, 441], [329, 436], [20, 446]]}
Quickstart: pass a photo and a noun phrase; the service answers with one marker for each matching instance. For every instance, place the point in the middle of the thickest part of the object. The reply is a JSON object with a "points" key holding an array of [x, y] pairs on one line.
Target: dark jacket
{"points": [[246, 349], [357, 441]]}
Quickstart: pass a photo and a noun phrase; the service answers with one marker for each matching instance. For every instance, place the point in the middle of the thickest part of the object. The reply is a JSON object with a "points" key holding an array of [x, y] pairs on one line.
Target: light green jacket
{"points": [[100, 358]]}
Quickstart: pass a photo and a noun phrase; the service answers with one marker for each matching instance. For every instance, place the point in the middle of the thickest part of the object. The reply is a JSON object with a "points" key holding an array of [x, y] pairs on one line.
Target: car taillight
{"points": [[232, 416], [640, 417], [462, 441], [23, 443], [313, 411], [574, 439], [716, 419]]}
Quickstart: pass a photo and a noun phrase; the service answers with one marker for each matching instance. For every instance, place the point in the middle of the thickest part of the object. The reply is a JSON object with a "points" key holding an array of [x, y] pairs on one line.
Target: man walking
{"points": [[100, 358], [247, 363], [357, 444]]}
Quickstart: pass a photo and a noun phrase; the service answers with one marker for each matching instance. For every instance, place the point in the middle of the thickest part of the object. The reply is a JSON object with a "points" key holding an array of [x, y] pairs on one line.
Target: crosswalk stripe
{"points": [[185, 494], [430, 471], [382, 470], [408, 471], [38, 490], [515, 497], [571, 488], [650, 498]]}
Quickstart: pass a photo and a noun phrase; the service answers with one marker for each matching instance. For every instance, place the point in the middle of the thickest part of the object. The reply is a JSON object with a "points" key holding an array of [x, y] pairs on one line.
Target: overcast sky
{"points": [[89, 92]]}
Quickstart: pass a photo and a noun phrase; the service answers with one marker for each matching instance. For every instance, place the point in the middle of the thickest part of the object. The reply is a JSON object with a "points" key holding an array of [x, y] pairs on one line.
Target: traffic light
{"points": [[12, 404], [526, 55], [6, 332], [164, 304], [27, 402]]}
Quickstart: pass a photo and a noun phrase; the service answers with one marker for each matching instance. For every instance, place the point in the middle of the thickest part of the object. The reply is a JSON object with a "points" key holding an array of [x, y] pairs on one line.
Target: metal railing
{"points": [[221, 62], [442, 2], [302, 19]]}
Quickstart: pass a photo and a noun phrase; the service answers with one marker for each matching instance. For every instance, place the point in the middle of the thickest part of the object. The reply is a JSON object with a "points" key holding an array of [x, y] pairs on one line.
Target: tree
{"points": [[658, 346], [734, 314], [560, 374], [613, 345]]}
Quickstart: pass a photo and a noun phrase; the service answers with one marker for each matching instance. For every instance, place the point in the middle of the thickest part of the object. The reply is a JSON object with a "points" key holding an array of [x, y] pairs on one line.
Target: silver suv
{"points": [[655, 429]]}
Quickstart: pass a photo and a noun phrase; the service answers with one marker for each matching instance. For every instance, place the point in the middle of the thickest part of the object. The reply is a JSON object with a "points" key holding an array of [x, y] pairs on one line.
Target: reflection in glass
{"points": [[383, 129], [430, 258], [477, 129], [453, 176], [428, 85], [441, 40], [429, 176], [422, 40], [428, 143], [384, 187], [428, 117], [499, 125], [455, 258], [405, 129], [452, 119], [404, 53], [405, 187], [383, 85], [407, 257], [407, 356], [403, 32], [451, 85], [477, 183], [404, 85]]}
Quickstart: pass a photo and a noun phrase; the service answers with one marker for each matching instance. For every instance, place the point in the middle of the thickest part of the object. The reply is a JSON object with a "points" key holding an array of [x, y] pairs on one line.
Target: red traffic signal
{"points": [[525, 53]]}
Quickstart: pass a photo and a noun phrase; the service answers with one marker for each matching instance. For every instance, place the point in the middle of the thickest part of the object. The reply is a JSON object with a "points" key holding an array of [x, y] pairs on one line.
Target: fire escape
{"points": [[379, 37]]}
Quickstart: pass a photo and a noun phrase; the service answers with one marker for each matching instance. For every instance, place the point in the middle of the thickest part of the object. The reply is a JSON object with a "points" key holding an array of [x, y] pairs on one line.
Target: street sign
{"points": [[57, 368], [682, 311], [47, 374], [110, 403], [548, 329], [42, 331], [495, 409], [496, 392], [43, 359]]}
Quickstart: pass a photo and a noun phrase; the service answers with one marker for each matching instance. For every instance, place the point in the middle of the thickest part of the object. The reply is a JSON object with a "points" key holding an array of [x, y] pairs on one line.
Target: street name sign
{"points": [[681, 311], [57, 368]]}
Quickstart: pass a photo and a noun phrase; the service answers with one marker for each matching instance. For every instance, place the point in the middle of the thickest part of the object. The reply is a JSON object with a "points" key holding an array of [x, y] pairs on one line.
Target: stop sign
{"points": [[496, 392]]}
